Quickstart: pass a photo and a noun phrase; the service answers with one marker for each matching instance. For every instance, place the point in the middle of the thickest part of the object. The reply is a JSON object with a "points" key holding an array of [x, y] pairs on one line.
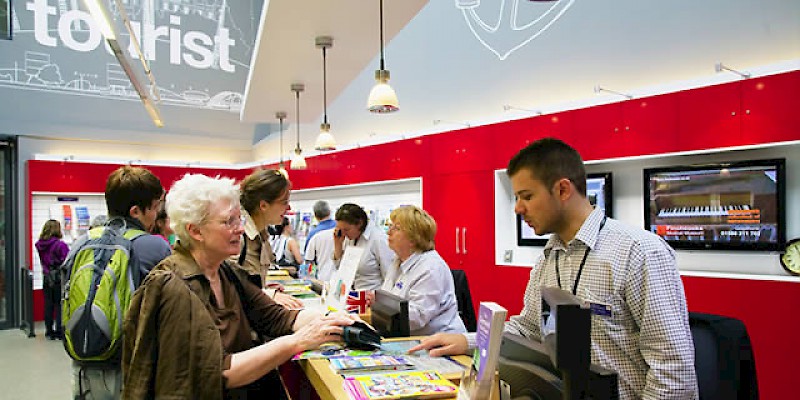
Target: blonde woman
{"points": [[420, 275]]}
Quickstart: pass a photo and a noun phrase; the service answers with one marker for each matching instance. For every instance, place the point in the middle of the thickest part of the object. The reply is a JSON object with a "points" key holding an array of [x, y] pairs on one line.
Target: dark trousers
{"points": [[52, 309]]}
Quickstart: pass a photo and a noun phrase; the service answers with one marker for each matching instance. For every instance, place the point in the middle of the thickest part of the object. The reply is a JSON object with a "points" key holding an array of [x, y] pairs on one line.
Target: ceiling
{"points": [[285, 52], [457, 61], [461, 64]]}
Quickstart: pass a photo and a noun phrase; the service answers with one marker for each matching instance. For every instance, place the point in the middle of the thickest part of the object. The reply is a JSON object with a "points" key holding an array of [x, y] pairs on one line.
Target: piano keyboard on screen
{"points": [[704, 211]]}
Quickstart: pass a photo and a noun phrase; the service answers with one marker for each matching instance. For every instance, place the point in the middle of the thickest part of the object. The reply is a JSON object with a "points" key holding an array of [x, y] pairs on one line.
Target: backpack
{"points": [[102, 274]]}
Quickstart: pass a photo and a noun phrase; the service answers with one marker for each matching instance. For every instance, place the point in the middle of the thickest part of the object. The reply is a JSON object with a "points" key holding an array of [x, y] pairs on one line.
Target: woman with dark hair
{"points": [[353, 229], [161, 226], [52, 253], [264, 197], [287, 251]]}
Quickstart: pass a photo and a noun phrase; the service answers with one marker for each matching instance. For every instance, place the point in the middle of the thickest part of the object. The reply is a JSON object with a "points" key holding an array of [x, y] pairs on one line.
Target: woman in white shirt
{"points": [[420, 275], [353, 229]]}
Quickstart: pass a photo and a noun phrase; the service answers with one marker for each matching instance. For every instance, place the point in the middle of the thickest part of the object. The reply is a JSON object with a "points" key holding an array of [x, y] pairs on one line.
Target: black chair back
{"points": [[465, 309], [723, 358]]}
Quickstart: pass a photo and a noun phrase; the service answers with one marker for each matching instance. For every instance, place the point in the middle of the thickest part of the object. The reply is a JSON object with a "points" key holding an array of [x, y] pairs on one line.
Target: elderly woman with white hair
{"points": [[188, 332]]}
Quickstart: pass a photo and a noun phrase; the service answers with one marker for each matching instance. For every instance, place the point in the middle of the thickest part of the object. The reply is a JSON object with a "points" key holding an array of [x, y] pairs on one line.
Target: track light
{"points": [[598, 90], [149, 98], [719, 67], [441, 121], [507, 107]]}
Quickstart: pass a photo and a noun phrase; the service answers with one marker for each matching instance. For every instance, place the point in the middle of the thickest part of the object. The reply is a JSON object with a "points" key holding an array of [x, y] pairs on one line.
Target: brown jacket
{"points": [[177, 341]]}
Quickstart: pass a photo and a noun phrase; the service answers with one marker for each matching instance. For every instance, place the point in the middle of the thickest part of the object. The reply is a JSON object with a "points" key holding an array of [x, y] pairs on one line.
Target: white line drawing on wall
{"points": [[40, 71], [507, 35]]}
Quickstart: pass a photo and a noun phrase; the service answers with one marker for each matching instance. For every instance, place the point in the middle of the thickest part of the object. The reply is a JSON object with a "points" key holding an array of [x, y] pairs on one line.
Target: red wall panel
{"points": [[767, 309]]}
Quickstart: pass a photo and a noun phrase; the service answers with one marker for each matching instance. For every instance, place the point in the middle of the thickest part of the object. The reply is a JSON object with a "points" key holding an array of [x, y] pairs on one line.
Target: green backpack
{"points": [[102, 274]]}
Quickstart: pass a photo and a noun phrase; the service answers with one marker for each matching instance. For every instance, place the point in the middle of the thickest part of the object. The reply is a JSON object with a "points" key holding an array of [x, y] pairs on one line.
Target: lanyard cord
{"points": [[580, 268]]}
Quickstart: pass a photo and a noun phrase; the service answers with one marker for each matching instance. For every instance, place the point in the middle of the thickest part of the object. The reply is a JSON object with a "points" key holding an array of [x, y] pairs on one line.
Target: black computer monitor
{"points": [[390, 315], [599, 193], [559, 367]]}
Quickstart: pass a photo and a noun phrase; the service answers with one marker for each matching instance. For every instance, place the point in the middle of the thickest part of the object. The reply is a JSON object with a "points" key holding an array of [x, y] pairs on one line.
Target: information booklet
{"points": [[488, 337], [358, 364], [399, 385]]}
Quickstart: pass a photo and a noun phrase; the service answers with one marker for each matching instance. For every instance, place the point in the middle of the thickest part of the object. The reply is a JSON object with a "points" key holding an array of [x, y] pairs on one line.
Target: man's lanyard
{"points": [[580, 268]]}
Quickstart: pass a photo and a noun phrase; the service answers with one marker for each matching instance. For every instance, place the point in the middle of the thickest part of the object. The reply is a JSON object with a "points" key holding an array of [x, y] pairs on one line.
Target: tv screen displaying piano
{"points": [[726, 206], [598, 190]]}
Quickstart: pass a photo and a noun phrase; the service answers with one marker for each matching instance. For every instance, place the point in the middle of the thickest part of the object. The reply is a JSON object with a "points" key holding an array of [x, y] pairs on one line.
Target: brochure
{"points": [[399, 385]]}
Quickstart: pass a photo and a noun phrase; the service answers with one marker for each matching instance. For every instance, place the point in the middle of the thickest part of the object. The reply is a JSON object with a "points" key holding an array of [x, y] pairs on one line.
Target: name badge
{"points": [[600, 309]]}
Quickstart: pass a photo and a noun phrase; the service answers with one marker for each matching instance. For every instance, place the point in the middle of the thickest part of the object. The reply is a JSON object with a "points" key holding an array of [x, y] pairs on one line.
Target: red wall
{"points": [[458, 188], [767, 310]]}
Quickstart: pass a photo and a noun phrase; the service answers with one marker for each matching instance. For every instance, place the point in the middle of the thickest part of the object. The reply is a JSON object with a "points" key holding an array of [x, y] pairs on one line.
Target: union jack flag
{"points": [[357, 302]]}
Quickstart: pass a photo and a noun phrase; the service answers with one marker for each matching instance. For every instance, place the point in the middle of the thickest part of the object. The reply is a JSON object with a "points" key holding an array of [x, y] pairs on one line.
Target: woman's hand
{"points": [[322, 330], [288, 301]]}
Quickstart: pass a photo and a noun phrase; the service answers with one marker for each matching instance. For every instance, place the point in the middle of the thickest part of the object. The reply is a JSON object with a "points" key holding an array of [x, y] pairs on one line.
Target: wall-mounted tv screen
{"points": [[598, 191], [725, 206]]}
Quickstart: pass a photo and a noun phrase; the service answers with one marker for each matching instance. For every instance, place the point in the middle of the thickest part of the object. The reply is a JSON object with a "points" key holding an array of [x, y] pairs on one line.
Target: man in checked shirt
{"points": [[640, 326]]}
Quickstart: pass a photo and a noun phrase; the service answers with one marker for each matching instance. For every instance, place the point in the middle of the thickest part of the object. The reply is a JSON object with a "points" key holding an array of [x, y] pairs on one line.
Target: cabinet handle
{"points": [[458, 250], [464, 240]]}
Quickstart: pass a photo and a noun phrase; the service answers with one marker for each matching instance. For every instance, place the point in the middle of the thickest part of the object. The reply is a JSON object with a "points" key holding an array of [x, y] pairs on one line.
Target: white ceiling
{"points": [[285, 52], [442, 71]]}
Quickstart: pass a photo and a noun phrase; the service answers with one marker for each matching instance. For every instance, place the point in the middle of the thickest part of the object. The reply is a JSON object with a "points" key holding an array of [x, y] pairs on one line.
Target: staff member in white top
{"points": [[640, 327], [352, 229], [420, 275]]}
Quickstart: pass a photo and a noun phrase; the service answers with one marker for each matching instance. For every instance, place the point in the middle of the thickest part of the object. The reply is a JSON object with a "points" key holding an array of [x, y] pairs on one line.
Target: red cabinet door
{"points": [[409, 158], [597, 131], [511, 137], [462, 206], [709, 117], [461, 151], [650, 125], [771, 108]]}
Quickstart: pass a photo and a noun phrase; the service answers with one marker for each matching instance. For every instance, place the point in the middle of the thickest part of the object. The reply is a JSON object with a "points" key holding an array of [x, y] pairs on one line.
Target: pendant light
{"points": [[281, 115], [382, 98], [298, 161], [325, 140]]}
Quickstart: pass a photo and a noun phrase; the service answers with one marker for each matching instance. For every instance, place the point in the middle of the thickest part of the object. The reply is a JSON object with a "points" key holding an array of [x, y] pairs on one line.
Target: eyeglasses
{"points": [[392, 227], [234, 222]]}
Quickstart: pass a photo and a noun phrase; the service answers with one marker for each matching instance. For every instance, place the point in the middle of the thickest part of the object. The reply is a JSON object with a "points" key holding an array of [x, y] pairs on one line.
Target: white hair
{"points": [[190, 199]]}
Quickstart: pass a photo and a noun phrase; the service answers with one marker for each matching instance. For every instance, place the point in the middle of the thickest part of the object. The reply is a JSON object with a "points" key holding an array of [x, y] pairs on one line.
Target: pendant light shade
{"points": [[325, 140], [382, 98], [281, 115], [298, 161]]}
